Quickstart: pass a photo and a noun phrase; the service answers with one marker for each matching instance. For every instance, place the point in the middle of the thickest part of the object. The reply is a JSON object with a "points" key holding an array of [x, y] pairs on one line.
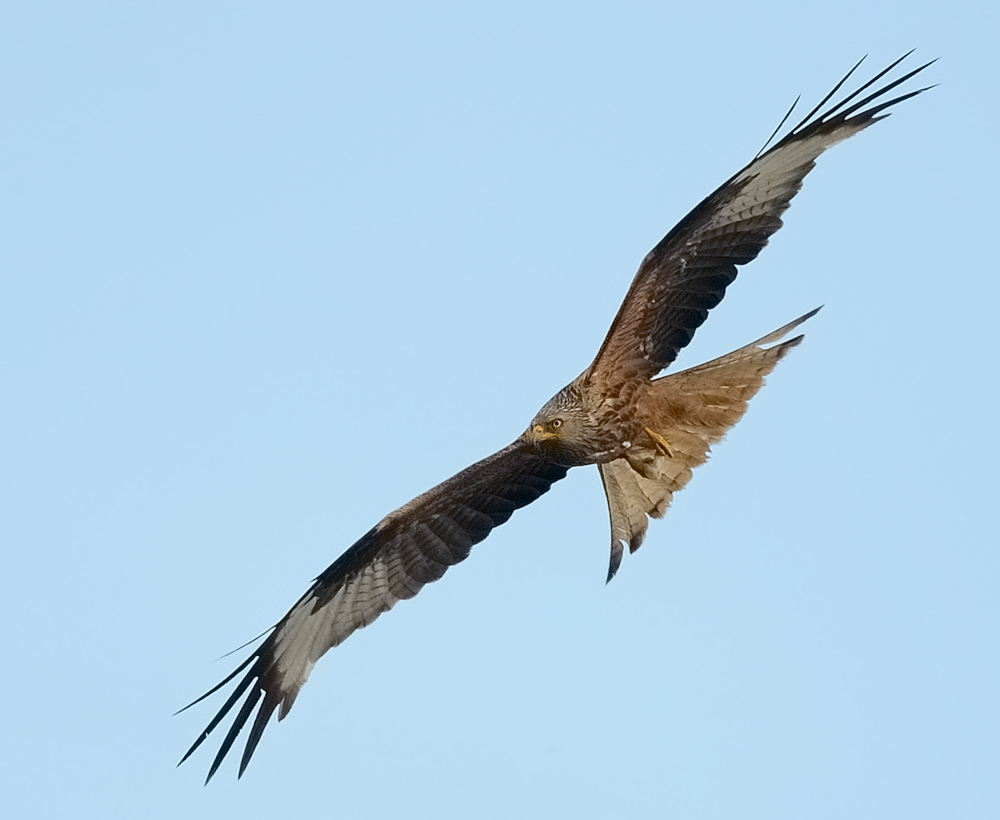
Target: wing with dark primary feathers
{"points": [[678, 282], [407, 549], [687, 273]]}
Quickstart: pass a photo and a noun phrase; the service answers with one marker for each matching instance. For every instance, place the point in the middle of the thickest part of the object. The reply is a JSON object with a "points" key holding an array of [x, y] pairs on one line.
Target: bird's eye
{"points": [[556, 423]]}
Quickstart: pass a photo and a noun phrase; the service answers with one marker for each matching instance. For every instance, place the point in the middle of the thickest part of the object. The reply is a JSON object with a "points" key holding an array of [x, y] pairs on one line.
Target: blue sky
{"points": [[270, 271]]}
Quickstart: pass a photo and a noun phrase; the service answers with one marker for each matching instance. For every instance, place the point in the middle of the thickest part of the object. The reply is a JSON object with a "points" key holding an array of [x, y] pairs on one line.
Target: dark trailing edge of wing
{"points": [[431, 533], [810, 124], [678, 282], [697, 266]]}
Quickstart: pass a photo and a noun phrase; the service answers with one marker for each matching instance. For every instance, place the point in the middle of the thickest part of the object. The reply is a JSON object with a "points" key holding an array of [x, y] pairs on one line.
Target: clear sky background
{"points": [[270, 270]]}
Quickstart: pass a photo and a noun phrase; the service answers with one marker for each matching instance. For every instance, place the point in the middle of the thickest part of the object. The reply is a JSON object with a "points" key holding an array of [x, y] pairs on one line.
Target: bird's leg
{"points": [[661, 443]]}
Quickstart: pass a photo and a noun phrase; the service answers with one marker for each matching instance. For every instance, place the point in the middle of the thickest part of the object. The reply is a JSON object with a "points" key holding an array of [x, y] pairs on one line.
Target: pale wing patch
{"points": [[689, 270], [767, 185], [308, 631]]}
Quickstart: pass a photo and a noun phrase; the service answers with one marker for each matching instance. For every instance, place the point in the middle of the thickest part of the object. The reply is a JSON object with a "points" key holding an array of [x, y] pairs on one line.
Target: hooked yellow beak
{"points": [[537, 433]]}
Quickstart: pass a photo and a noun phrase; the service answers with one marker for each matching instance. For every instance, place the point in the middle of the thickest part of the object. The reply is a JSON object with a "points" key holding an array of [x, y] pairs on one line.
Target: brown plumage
{"points": [[646, 434], [691, 410]]}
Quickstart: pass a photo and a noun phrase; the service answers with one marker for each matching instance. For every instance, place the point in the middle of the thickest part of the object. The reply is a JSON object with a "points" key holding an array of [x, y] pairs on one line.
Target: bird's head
{"points": [[562, 425]]}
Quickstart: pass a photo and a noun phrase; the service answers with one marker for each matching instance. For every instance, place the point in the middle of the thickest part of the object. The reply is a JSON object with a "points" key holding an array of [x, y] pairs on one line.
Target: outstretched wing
{"points": [[407, 549], [687, 273]]}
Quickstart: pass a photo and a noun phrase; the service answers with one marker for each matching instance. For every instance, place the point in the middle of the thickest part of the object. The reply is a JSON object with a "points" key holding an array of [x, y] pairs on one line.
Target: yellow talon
{"points": [[661, 443]]}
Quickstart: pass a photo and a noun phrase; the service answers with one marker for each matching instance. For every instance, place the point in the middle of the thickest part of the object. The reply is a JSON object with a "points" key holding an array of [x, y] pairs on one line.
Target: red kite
{"points": [[644, 432]]}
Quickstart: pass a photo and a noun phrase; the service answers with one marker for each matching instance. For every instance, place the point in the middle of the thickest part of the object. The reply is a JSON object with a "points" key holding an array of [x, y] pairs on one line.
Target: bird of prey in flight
{"points": [[645, 432]]}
